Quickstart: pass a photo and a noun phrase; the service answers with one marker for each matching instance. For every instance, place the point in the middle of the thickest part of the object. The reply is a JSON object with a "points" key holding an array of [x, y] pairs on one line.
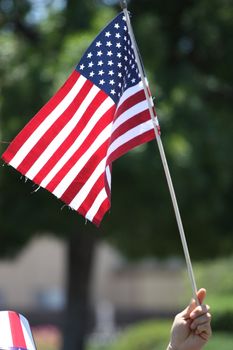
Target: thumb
{"points": [[200, 296]]}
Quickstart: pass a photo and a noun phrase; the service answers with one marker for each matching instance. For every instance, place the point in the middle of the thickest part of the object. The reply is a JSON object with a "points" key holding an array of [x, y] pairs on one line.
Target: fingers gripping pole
{"points": [[163, 158]]}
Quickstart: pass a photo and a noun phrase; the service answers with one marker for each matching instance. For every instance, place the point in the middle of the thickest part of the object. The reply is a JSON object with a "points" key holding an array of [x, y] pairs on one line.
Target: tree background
{"points": [[187, 51]]}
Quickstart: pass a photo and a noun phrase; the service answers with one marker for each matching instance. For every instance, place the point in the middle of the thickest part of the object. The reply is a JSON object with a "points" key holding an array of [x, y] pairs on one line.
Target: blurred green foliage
{"points": [[216, 275], [150, 335], [154, 335]]}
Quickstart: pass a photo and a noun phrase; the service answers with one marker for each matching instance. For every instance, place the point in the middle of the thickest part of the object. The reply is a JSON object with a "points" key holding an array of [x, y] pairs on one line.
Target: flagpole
{"points": [[163, 157]]}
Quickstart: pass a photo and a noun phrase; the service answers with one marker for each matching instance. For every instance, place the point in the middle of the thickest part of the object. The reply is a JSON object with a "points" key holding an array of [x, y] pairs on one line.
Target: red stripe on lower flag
{"points": [[16, 330]]}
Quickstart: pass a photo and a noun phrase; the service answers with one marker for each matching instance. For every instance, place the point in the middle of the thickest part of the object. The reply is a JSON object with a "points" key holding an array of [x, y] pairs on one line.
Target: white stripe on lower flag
{"points": [[5, 333], [108, 176]]}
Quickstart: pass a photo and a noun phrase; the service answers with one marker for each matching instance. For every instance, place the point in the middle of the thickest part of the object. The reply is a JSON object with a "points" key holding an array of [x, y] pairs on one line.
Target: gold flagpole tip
{"points": [[123, 4]]}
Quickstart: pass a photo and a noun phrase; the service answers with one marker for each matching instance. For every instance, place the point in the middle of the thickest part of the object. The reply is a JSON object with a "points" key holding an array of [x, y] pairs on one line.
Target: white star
{"points": [[82, 67], [126, 58], [101, 72], [110, 63], [98, 44], [116, 26], [124, 19], [125, 28], [108, 43], [125, 38], [112, 82], [119, 84], [108, 34], [117, 35], [133, 80], [111, 72], [102, 82], [119, 55], [99, 53], [89, 55], [92, 74], [100, 63], [118, 45], [91, 64], [119, 65], [119, 75], [109, 53], [113, 92]]}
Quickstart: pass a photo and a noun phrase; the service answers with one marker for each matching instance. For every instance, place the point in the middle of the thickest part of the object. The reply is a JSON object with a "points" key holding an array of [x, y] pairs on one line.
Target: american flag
{"points": [[15, 332], [100, 113]]}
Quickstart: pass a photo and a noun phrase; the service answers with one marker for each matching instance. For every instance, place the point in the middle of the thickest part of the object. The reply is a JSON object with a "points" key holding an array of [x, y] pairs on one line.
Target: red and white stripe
{"points": [[15, 331], [69, 145]]}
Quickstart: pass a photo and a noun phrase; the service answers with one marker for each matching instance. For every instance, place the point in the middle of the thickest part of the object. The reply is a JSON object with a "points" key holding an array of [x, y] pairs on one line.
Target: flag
{"points": [[15, 332], [99, 114]]}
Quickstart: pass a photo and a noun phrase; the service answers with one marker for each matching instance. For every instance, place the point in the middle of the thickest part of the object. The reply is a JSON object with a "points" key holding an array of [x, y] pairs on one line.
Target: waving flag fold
{"points": [[100, 113]]}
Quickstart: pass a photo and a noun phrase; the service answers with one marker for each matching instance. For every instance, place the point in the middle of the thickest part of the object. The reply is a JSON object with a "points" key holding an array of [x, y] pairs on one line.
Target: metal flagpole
{"points": [[163, 156]]}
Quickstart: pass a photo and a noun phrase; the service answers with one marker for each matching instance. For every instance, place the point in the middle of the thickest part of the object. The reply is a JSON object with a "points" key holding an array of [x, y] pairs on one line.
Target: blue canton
{"points": [[109, 62]]}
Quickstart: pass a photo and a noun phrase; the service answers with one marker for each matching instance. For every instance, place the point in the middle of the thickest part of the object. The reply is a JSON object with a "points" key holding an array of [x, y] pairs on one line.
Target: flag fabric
{"points": [[99, 114], [15, 332]]}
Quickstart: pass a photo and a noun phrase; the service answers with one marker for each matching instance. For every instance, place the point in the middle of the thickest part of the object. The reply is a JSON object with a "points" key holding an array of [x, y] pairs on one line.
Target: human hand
{"points": [[191, 328]]}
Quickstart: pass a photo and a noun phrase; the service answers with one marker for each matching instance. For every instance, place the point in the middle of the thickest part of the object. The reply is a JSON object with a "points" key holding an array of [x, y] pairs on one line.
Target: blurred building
{"points": [[35, 280]]}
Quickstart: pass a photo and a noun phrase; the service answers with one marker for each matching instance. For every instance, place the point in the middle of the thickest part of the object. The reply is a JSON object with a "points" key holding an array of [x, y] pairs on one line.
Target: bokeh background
{"points": [[118, 287]]}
